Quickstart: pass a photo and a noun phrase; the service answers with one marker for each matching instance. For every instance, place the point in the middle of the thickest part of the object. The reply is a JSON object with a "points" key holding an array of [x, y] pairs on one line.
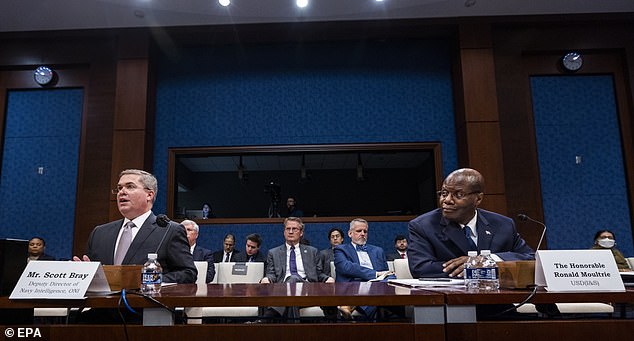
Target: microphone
{"points": [[163, 221], [524, 217]]}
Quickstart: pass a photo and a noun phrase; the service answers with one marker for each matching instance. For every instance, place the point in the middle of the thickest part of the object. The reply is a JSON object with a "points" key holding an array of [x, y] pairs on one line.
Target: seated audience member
{"points": [[359, 262], [400, 244], [292, 262], [198, 252], [37, 248], [131, 239], [335, 237], [207, 213], [440, 239], [292, 210], [604, 239], [251, 250], [228, 253]]}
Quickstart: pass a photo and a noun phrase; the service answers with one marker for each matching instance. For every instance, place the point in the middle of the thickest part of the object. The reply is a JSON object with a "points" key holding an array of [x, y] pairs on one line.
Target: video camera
{"points": [[273, 189]]}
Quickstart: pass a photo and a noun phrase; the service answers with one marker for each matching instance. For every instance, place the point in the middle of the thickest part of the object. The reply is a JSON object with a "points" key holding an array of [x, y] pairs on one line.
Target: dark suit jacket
{"points": [[348, 268], [45, 256], [394, 255], [205, 255], [326, 256], [434, 240], [220, 255], [177, 262], [242, 257], [276, 264]]}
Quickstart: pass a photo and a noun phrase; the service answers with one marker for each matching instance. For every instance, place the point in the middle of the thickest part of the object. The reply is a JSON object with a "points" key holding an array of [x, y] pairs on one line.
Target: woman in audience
{"points": [[604, 239], [37, 245]]}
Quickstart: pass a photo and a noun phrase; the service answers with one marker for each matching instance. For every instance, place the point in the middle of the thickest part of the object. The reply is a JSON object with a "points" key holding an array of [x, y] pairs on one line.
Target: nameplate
{"points": [[239, 269], [577, 271], [59, 280]]}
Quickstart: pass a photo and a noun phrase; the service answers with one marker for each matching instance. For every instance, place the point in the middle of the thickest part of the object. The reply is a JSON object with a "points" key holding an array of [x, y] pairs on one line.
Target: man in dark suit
{"points": [[292, 262], [400, 248], [129, 240], [228, 253], [251, 250], [291, 208], [359, 261], [440, 239], [335, 237], [199, 253]]}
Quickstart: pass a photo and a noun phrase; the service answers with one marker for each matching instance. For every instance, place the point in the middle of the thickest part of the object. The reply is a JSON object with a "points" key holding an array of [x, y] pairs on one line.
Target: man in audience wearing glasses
{"points": [[292, 262]]}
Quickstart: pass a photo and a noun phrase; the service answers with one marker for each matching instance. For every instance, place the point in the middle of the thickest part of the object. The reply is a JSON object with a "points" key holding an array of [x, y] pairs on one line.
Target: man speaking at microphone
{"points": [[440, 239], [129, 240]]}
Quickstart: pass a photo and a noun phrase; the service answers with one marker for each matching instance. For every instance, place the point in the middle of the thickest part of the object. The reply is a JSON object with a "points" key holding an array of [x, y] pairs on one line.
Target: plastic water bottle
{"points": [[470, 271], [151, 275], [488, 272]]}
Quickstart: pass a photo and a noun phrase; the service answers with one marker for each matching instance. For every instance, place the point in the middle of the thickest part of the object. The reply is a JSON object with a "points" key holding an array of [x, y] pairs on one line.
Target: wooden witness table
{"points": [[277, 294], [438, 314], [462, 323]]}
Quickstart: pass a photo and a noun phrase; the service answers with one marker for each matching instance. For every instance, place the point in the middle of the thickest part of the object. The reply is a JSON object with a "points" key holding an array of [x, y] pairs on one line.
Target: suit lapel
{"points": [[111, 241], [453, 237], [148, 227], [281, 259], [353, 253], [485, 232], [307, 260]]}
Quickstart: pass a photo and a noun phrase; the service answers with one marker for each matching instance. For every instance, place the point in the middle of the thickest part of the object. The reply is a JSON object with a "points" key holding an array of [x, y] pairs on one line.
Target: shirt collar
{"points": [[138, 221]]}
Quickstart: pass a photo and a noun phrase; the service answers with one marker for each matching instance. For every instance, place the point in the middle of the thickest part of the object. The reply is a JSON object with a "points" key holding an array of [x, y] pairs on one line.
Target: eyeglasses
{"points": [[127, 187], [456, 195], [292, 229]]}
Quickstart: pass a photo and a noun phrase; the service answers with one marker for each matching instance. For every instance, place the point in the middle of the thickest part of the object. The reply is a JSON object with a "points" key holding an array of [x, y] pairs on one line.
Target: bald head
{"points": [[466, 177]]}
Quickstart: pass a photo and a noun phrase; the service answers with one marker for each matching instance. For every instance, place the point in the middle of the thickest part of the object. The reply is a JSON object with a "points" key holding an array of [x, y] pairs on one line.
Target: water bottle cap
{"points": [[152, 256], [485, 252], [472, 253]]}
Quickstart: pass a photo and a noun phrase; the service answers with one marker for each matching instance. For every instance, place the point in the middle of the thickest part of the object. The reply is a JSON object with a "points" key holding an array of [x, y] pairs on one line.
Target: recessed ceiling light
{"points": [[301, 3], [224, 3]]}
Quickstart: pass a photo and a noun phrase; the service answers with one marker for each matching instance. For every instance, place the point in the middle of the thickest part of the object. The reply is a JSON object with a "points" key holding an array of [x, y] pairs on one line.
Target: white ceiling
{"points": [[37, 15]]}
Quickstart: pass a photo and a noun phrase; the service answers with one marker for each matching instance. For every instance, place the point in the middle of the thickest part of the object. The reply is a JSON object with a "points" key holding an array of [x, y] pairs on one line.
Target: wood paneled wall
{"points": [[493, 112]]}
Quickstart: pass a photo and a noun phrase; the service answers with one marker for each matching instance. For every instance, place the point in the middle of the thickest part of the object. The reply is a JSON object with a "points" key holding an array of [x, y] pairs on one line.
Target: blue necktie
{"points": [[292, 262], [362, 248], [467, 232]]}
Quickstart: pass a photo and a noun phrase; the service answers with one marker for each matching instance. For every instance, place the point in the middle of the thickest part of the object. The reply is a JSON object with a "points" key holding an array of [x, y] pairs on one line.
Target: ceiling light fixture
{"points": [[301, 3], [224, 3]]}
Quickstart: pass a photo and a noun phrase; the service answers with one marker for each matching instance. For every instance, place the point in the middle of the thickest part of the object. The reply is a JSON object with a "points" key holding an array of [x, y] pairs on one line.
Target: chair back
{"points": [[201, 266], [228, 274], [630, 262], [401, 269]]}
